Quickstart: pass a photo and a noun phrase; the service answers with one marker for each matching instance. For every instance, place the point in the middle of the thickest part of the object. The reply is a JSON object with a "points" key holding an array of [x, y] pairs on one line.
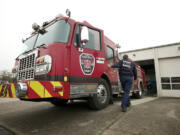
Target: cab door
{"points": [[111, 72], [87, 60]]}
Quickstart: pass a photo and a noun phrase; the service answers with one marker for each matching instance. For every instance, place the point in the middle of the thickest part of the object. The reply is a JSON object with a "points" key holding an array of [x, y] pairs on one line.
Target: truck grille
{"points": [[26, 68]]}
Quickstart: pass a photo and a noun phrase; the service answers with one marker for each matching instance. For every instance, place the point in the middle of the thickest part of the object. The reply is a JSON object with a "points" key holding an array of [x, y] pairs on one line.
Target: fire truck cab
{"points": [[62, 60]]}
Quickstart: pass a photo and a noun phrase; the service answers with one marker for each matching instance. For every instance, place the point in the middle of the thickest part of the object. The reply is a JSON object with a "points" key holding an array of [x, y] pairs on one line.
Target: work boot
{"points": [[124, 110], [129, 105]]}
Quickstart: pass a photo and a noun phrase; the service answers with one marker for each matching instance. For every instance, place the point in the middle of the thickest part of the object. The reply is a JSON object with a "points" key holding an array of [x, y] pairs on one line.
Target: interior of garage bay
{"points": [[149, 68]]}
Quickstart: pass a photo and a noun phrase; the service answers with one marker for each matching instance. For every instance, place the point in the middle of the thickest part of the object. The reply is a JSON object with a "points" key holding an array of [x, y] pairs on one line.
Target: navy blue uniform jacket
{"points": [[126, 68]]}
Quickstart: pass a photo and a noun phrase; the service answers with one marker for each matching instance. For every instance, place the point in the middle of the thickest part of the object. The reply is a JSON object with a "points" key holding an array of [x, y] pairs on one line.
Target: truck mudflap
{"points": [[33, 90]]}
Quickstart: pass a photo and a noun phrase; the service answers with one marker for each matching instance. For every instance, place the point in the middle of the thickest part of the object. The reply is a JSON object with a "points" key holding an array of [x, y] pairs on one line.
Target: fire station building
{"points": [[162, 67]]}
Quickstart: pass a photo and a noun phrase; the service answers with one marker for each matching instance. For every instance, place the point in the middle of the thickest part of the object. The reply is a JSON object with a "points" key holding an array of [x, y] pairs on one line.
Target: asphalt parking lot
{"points": [[147, 116]]}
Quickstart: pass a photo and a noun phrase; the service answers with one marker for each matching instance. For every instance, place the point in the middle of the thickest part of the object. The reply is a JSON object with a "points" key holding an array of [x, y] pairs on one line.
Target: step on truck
{"points": [[64, 60]]}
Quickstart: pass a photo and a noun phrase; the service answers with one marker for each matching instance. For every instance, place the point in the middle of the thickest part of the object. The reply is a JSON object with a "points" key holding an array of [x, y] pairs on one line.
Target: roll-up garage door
{"points": [[170, 74]]}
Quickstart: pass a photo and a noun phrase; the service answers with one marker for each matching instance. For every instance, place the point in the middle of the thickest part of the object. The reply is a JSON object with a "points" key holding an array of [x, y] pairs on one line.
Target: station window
{"points": [[175, 86], [175, 79], [166, 86], [175, 83], [170, 83], [165, 80]]}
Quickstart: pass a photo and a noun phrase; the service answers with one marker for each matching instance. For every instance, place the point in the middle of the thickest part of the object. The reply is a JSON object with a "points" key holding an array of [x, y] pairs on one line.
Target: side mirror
{"points": [[68, 13], [84, 35]]}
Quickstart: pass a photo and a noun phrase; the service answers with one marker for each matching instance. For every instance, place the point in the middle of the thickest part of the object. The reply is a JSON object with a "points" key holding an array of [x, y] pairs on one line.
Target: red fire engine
{"points": [[64, 59]]}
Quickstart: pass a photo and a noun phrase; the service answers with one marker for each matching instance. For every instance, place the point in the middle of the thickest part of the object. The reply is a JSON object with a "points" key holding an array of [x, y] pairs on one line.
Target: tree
{"points": [[6, 76]]}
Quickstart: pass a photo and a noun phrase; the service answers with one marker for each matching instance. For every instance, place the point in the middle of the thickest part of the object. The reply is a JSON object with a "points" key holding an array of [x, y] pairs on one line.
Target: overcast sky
{"points": [[131, 23]]}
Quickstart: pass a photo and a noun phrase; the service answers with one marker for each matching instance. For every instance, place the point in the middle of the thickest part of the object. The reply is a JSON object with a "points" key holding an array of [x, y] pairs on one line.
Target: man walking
{"points": [[127, 69]]}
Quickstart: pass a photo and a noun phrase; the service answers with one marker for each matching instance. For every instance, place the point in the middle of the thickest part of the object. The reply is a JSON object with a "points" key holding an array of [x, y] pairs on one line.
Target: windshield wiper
{"points": [[41, 46]]}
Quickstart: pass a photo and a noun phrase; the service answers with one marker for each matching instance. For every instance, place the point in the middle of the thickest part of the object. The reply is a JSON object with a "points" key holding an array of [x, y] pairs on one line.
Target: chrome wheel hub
{"points": [[101, 93], [140, 93]]}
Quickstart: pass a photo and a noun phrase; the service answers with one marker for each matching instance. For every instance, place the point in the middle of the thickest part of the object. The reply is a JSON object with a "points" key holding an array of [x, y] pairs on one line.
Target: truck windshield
{"points": [[29, 44], [57, 32]]}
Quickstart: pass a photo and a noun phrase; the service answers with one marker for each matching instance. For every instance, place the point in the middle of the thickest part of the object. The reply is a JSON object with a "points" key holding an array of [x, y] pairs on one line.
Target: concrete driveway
{"points": [[147, 116], [157, 117]]}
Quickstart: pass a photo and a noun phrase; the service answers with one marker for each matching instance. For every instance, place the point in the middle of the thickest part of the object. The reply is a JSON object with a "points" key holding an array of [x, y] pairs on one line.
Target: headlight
{"points": [[43, 65], [14, 71]]}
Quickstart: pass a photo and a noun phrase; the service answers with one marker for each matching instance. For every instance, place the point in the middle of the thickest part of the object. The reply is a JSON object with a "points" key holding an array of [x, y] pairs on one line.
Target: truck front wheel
{"points": [[101, 99]]}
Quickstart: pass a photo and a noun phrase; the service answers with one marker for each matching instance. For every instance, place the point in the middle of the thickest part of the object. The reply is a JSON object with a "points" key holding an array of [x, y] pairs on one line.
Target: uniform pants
{"points": [[126, 82]]}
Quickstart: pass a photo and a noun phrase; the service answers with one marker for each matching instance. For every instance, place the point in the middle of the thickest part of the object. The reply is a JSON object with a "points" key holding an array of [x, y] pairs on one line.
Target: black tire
{"points": [[102, 98], [139, 94], [59, 102]]}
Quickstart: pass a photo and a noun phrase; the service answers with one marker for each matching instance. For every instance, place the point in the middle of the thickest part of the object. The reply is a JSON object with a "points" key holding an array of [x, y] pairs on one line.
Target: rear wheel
{"points": [[101, 99], [139, 94]]}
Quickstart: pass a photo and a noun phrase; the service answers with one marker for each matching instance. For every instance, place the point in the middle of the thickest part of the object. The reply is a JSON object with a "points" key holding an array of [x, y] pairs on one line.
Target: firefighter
{"points": [[127, 74]]}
